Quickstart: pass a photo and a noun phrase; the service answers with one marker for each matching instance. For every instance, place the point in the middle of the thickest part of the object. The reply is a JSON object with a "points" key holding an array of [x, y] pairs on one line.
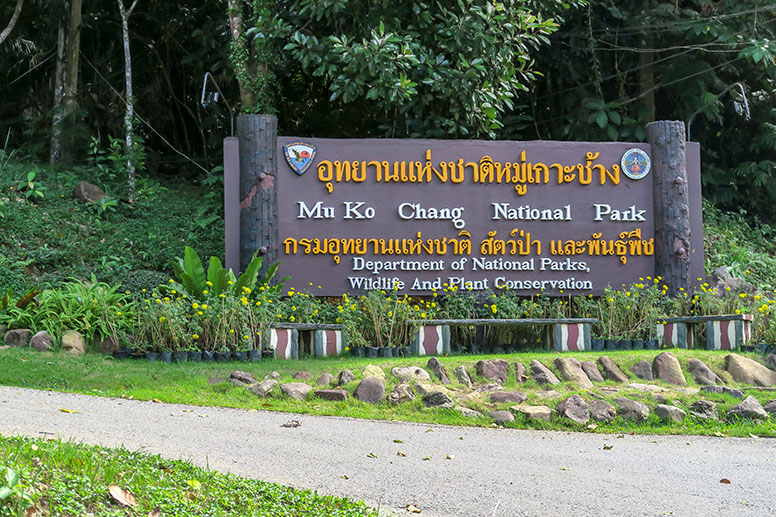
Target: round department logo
{"points": [[635, 163]]}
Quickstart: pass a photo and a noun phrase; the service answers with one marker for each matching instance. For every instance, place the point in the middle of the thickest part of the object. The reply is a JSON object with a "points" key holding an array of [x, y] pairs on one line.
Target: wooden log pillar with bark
{"points": [[671, 204], [258, 189]]}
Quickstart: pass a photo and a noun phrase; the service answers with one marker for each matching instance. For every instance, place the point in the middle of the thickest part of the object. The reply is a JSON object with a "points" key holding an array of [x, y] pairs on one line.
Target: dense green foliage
{"points": [[64, 478]]}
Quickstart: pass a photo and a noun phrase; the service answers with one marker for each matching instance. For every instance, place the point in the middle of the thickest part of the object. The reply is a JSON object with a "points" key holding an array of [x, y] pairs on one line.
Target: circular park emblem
{"points": [[635, 163]]}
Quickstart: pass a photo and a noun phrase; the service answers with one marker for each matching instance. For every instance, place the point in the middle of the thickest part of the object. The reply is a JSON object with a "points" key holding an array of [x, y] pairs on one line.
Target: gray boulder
{"points": [[507, 396], [771, 361], [17, 337], [438, 370], [541, 374], [493, 369], [272, 375], [264, 388], [296, 390], [574, 408], [468, 413], [592, 371], [410, 373], [438, 399], [666, 367], [747, 371], [704, 409], [42, 341], [373, 371], [502, 417], [370, 389], [602, 411], [770, 407], [401, 393], [702, 374], [324, 380], [571, 370], [463, 376], [107, 344], [243, 377], [749, 408], [335, 394], [520, 375], [344, 377], [631, 409], [612, 372], [670, 413], [642, 370], [733, 392], [302, 376]]}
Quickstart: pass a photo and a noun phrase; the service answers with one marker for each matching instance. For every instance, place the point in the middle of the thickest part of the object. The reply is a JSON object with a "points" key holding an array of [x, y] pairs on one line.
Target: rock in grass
{"points": [[733, 392], [303, 376], [502, 417], [747, 371], [264, 388], [571, 370], [705, 409], [632, 409], [243, 377], [463, 376], [771, 361], [344, 377], [670, 413], [438, 399], [750, 407], [370, 389], [535, 412], [520, 375], [324, 380], [438, 370], [73, 343], [541, 374], [335, 394], [42, 342], [493, 369], [574, 408], [401, 393], [507, 396], [17, 337], [107, 344], [666, 367], [296, 390], [273, 375], [592, 371], [468, 413], [770, 407], [410, 373], [373, 371], [602, 411], [702, 374], [642, 370], [612, 372]]}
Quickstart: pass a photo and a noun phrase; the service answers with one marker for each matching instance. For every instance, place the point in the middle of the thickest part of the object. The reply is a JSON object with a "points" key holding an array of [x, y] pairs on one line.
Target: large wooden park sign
{"points": [[419, 215]]}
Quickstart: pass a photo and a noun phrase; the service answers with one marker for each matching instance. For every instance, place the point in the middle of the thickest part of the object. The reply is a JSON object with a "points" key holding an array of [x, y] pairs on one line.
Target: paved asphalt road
{"points": [[493, 472]]}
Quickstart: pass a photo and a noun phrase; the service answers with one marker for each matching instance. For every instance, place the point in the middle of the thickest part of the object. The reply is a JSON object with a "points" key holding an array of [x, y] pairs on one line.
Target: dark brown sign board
{"points": [[560, 218]]}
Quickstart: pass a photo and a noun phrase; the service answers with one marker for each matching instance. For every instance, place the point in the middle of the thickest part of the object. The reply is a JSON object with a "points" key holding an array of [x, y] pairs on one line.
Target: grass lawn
{"points": [[63, 478], [205, 384]]}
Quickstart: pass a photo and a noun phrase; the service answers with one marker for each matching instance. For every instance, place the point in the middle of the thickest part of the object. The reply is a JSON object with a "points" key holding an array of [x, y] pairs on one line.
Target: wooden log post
{"points": [[258, 189], [671, 204]]}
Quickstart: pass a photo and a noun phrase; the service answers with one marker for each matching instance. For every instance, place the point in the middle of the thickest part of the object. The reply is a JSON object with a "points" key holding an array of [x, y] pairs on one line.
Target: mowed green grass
{"points": [[205, 384], [65, 478]]}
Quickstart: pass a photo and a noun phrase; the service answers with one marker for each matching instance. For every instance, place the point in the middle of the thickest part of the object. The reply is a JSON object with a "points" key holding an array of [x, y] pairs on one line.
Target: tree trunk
{"points": [[55, 152], [12, 23], [129, 112], [70, 101], [240, 48], [671, 203]]}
